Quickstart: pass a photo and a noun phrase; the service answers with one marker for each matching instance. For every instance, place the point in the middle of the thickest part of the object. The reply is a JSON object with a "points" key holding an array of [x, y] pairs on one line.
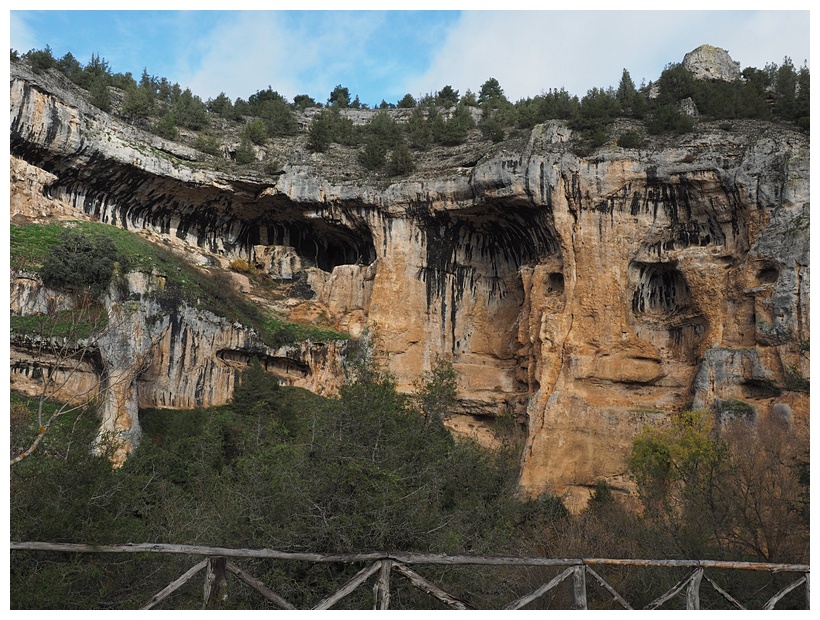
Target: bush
{"points": [[383, 128], [258, 392], [329, 126], [320, 134], [491, 126], [207, 144], [256, 132], [80, 263], [241, 266], [374, 153], [668, 118], [273, 167], [245, 154], [794, 380], [455, 130], [279, 118], [401, 160], [598, 138], [733, 407], [166, 127], [418, 130], [630, 140]]}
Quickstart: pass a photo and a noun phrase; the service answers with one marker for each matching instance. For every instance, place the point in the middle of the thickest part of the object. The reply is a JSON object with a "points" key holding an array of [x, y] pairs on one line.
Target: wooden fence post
{"points": [[579, 586], [808, 598], [216, 584], [382, 586], [693, 590]]}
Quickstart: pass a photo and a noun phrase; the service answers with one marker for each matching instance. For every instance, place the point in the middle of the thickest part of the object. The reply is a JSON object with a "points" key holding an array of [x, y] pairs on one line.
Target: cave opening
{"points": [[661, 289], [768, 275], [483, 247], [317, 242], [555, 283], [665, 311]]}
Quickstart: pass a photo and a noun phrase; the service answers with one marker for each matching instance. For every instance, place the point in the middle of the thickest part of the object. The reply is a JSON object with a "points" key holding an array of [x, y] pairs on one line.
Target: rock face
{"points": [[583, 297], [148, 356], [711, 63]]}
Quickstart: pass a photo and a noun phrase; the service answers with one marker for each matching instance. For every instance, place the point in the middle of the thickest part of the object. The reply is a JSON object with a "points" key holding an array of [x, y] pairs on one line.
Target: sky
{"points": [[382, 55]]}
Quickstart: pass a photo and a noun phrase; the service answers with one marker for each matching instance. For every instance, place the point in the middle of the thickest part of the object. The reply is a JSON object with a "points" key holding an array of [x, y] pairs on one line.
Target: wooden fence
{"points": [[217, 565]]}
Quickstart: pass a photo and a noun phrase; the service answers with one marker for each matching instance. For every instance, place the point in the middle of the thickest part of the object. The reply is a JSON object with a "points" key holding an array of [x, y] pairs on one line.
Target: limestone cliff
{"points": [[585, 297]]}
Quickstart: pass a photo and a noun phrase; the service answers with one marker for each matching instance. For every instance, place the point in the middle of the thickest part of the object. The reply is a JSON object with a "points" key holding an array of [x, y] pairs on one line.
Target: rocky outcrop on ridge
{"points": [[582, 296], [708, 62]]}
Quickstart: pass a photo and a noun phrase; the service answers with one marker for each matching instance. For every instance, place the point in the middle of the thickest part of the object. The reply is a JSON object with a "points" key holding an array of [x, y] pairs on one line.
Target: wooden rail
{"points": [[383, 565]]}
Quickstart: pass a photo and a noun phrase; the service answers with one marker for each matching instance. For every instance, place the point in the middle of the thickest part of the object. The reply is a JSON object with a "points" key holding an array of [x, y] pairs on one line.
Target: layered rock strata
{"points": [[583, 297]]}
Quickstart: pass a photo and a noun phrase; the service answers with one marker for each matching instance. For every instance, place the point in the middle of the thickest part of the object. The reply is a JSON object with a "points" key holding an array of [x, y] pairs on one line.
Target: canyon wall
{"points": [[583, 297]]}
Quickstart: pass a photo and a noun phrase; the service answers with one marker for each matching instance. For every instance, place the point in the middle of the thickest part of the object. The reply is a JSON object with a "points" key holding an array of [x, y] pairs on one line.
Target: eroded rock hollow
{"points": [[582, 297]]}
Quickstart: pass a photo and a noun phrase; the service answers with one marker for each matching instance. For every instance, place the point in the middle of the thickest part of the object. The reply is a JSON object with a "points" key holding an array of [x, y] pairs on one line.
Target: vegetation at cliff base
{"points": [[284, 469], [277, 468]]}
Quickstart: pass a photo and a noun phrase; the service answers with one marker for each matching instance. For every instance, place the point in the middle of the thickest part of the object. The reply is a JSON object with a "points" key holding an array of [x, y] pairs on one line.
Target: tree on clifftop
{"points": [[447, 97], [339, 97], [491, 94], [631, 101]]}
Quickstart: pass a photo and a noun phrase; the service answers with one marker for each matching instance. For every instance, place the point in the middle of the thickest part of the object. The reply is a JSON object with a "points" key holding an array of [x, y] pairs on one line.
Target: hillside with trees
{"points": [[370, 466], [391, 139]]}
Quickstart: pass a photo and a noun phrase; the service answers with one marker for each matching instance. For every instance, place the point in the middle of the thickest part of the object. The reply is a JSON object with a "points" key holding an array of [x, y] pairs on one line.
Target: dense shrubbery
{"points": [[740, 491], [278, 468], [79, 263], [374, 470], [630, 140]]}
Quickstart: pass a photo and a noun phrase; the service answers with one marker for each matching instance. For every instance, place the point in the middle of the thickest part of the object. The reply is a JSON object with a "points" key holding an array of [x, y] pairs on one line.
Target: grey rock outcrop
{"points": [[708, 62]]}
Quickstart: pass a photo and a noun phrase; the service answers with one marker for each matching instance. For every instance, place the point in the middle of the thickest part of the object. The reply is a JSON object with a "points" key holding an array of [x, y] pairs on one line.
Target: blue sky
{"points": [[385, 54]]}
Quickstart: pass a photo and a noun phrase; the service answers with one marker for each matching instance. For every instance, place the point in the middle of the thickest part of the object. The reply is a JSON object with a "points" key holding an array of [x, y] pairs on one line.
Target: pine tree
{"points": [[401, 160], [418, 130], [99, 94], [245, 154], [320, 134], [627, 93]]}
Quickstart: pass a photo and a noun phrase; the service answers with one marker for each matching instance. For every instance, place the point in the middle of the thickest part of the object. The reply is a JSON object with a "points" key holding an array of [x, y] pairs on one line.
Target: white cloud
{"points": [[768, 36], [243, 48], [22, 38], [252, 50]]}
